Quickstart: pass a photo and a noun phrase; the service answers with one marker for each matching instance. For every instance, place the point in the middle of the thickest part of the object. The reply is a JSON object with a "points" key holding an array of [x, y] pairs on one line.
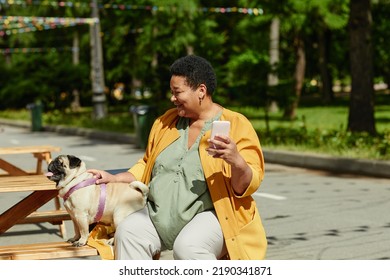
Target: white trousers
{"points": [[201, 239]]}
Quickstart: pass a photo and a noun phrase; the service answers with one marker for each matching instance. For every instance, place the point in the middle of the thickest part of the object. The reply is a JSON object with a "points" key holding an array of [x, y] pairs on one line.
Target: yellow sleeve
{"points": [[248, 145]]}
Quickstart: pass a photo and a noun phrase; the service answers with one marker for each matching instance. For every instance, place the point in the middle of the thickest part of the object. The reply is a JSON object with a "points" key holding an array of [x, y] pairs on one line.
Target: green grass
{"points": [[117, 120], [323, 118], [319, 129]]}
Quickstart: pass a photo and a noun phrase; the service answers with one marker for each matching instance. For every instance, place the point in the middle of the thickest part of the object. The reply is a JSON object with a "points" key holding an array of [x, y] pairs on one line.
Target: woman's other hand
{"points": [[102, 176]]}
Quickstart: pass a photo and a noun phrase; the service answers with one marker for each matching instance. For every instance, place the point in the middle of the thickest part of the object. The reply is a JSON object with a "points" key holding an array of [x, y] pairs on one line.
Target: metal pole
{"points": [[97, 70]]}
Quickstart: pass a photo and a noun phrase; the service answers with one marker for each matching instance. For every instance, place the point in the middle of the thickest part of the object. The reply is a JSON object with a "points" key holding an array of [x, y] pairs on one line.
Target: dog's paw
{"points": [[71, 240], [79, 243]]}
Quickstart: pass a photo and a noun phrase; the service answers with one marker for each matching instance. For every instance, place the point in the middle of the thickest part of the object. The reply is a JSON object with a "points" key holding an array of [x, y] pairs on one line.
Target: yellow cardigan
{"points": [[238, 215]]}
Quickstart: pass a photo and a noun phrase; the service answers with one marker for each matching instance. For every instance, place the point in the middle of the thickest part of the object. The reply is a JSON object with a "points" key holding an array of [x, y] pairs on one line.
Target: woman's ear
{"points": [[202, 91]]}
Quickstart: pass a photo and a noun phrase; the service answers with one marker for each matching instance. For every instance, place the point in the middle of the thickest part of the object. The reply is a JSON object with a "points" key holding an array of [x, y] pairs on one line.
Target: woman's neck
{"points": [[209, 111]]}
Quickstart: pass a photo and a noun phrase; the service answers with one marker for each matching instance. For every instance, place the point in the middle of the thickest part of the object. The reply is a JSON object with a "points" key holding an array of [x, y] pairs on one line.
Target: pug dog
{"points": [[84, 200]]}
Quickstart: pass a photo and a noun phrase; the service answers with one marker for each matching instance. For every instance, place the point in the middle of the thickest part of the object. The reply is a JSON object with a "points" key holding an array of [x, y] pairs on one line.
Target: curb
{"points": [[90, 133], [67, 130], [373, 168]]}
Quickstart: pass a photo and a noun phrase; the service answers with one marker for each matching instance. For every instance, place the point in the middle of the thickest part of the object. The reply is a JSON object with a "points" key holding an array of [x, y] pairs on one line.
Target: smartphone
{"points": [[220, 128]]}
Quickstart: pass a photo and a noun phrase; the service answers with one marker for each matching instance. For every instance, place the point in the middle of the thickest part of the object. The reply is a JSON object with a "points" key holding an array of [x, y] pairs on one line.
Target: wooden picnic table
{"points": [[38, 191], [41, 153], [17, 179]]}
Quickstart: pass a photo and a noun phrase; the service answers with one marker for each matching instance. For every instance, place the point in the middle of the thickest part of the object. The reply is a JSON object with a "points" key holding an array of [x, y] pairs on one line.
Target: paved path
{"points": [[307, 214], [313, 215]]}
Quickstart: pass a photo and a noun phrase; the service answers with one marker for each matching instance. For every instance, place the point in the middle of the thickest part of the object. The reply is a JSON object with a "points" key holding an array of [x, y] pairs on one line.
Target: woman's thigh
{"points": [[201, 238], [136, 237]]}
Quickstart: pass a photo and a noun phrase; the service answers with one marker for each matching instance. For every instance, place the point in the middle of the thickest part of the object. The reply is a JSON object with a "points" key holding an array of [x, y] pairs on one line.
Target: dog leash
{"points": [[102, 199]]}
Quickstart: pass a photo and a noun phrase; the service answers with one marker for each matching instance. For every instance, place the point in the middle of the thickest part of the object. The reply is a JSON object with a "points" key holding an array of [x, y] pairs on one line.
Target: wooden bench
{"points": [[43, 251], [54, 217]]}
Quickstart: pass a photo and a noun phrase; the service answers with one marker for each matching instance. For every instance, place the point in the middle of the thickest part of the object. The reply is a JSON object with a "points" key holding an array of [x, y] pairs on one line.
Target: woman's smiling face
{"points": [[183, 96]]}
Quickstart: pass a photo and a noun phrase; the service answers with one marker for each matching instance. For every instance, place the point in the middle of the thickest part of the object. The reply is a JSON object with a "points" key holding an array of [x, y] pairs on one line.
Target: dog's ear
{"points": [[74, 161]]}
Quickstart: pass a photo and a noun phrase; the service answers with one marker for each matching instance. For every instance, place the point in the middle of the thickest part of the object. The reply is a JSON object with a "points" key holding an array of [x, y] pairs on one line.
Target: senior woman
{"points": [[199, 206]]}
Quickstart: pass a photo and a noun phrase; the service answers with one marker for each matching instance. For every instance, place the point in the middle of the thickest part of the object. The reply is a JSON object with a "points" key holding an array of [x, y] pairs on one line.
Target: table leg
{"points": [[24, 208], [46, 156], [58, 207], [11, 169]]}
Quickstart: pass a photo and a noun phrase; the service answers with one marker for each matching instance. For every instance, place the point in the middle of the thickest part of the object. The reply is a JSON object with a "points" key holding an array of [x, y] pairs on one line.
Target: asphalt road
{"points": [[308, 215]]}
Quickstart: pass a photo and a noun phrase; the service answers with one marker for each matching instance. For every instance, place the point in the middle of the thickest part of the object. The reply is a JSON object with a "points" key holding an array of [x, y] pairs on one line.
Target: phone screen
{"points": [[220, 128]]}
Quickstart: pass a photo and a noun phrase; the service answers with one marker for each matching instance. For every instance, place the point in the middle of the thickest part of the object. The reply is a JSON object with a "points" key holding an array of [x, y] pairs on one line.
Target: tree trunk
{"points": [[7, 57], [273, 78], [326, 80], [299, 76], [361, 106]]}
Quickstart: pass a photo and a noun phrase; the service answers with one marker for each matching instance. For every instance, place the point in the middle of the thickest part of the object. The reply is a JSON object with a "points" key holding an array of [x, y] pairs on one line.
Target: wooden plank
{"points": [[28, 149], [54, 217], [42, 251], [25, 183], [32, 246], [26, 172]]}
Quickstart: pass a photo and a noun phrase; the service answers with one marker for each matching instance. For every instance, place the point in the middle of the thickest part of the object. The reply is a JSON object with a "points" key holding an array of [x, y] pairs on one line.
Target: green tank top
{"points": [[178, 189]]}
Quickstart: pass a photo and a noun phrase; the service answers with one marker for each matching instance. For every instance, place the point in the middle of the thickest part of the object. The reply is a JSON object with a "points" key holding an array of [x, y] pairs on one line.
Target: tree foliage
{"points": [[142, 38]]}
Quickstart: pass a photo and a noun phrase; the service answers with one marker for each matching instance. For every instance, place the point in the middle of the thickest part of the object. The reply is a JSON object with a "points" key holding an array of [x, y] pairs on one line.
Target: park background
{"points": [[311, 75]]}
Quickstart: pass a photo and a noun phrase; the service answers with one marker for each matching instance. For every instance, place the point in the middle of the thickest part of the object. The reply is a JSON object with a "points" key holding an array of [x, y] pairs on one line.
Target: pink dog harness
{"points": [[102, 199]]}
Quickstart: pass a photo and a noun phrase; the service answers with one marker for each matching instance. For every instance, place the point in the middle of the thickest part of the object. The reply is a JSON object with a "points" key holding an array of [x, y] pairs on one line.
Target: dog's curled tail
{"points": [[141, 186]]}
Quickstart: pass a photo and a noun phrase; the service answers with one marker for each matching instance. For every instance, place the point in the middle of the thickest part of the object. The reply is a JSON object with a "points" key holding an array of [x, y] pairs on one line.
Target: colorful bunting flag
{"points": [[124, 6], [20, 24], [36, 50]]}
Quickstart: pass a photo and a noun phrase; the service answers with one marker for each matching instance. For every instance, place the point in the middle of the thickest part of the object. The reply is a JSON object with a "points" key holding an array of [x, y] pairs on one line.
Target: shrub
{"points": [[334, 142]]}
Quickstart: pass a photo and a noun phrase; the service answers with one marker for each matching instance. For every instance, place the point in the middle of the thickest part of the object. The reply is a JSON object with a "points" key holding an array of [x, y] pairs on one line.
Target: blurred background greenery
{"points": [[287, 65]]}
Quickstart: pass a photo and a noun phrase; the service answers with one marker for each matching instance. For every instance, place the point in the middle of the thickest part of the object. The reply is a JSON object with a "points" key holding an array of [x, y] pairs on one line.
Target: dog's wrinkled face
{"points": [[64, 168]]}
